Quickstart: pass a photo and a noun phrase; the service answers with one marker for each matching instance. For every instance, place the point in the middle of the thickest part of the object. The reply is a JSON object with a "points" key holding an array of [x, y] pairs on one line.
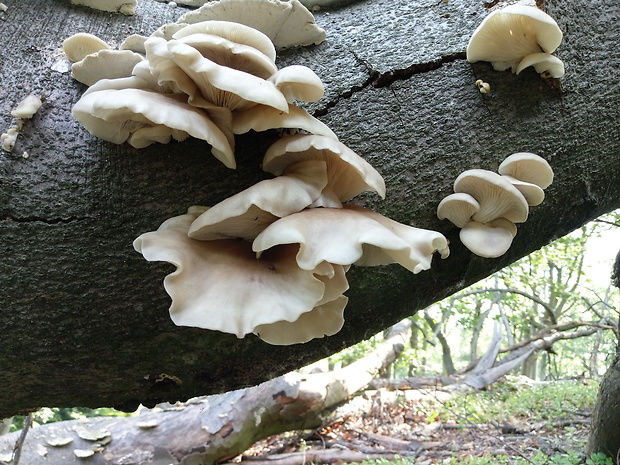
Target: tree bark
{"points": [[209, 429], [605, 418], [85, 318]]}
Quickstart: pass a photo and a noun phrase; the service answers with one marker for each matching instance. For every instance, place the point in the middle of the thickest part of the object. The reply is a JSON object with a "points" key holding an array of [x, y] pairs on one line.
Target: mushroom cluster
{"points": [[209, 80], [516, 37], [272, 259], [486, 205], [290, 239]]}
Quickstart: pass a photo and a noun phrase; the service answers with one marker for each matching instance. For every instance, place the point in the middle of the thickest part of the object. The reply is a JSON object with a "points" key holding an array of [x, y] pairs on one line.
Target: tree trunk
{"points": [[85, 319], [604, 435]]}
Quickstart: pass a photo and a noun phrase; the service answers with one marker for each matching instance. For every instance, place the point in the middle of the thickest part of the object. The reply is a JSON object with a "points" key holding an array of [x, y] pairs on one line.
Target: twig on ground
{"points": [[17, 449]]}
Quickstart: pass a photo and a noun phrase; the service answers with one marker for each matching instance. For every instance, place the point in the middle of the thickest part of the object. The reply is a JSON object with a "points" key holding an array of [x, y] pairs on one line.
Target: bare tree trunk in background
{"points": [[604, 435], [446, 354]]}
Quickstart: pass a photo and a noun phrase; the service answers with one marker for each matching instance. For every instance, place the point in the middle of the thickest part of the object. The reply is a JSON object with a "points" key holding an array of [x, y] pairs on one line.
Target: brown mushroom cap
{"points": [[348, 173], [496, 196]]}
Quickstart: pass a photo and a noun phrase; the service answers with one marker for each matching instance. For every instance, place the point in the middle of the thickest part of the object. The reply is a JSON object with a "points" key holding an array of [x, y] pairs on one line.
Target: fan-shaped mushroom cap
{"points": [[323, 320], [458, 208], [233, 32], [262, 118], [105, 64], [286, 23], [351, 235], [79, 45], [533, 194], [298, 82], [225, 52], [508, 35], [527, 167], [348, 173], [544, 63], [488, 240], [247, 213], [220, 85], [221, 285], [496, 196], [115, 114]]}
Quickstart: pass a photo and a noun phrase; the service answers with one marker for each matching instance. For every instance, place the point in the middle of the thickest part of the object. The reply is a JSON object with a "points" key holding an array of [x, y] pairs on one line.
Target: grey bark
{"points": [[84, 318]]}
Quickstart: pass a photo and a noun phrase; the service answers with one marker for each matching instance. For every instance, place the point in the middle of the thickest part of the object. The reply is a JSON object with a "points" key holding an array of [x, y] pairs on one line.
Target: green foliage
{"points": [[52, 415], [598, 458], [536, 403]]}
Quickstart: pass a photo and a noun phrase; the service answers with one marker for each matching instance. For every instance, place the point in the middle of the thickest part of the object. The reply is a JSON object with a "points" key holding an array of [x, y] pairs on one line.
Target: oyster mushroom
{"points": [[488, 240], [247, 213], [129, 114], [497, 197], [351, 235], [286, 23], [517, 34], [348, 173], [205, 288]]}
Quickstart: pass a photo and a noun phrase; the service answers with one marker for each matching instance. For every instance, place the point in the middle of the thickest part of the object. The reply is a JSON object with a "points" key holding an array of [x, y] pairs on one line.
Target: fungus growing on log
{"points": [[516, 37]]}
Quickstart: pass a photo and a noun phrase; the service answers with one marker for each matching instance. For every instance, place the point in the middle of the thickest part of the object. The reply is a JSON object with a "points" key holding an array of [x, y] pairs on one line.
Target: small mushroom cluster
{"points": [[272, 259], [486, 205], [516, 37]]}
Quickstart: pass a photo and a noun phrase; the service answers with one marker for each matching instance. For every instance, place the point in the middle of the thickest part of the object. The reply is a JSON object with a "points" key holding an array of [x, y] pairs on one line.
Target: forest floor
{"points": [[428, 428]]}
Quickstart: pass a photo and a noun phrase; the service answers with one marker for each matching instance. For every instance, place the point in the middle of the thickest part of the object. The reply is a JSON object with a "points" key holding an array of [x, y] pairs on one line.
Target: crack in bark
{"points": [[378, 79], [50, 221]]}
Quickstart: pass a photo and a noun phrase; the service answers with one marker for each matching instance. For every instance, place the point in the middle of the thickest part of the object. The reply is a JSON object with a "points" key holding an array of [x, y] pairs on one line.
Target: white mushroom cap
{"points": [[488, 240], [228, 53], [351, 235], [286, 23], [323, 320], [249, 212], [262, 118], [298, 82], [219, 85], [527, 167], [79, 45], [114, 114], [135, 43], [233, 32], [458, 208], [496, 196], [221, 285], [105, 64], [544, 63], [348, 173], [27, 107], [533, 194], [508, 35]]}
